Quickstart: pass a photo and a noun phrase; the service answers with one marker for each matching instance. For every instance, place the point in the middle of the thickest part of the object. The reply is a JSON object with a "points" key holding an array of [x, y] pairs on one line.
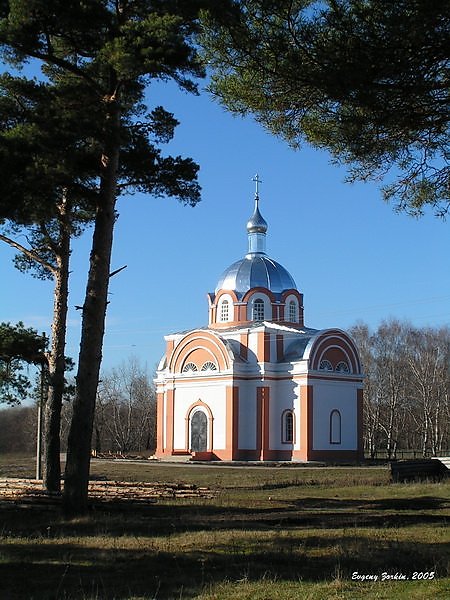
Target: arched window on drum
{"points": [[258, 310], [293, 317], [224, 311]]}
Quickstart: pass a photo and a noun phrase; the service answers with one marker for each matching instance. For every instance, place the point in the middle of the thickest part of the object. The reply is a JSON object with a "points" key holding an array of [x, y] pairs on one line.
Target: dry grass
{"points": [[285, 533]]}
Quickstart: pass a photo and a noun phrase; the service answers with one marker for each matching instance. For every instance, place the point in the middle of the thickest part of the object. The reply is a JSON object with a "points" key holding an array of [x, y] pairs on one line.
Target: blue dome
{"points": [[255, 270]]}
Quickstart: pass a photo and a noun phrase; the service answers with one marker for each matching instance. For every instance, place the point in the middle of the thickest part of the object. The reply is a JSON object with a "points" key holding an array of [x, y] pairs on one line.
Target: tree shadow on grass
{"points": [[44, 570], [420, 503], [165, 519]]}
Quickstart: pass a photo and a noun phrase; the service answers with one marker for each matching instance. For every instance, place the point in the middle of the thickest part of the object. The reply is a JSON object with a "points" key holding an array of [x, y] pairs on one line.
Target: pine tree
{"points": [[45, 195], [367, 80], [18, 345], [101, 55]]}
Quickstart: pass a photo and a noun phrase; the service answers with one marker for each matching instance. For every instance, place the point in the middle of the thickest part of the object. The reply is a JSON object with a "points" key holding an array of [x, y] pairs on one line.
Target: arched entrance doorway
{"points": [[199, 432]]}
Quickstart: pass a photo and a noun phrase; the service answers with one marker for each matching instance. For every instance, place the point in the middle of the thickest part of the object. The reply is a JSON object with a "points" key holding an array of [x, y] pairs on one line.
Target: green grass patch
{"points": [[269, 533]]}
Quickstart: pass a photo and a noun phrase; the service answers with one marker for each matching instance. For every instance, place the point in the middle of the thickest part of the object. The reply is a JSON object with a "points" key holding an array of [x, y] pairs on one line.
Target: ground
{"points": [[263, 533]]}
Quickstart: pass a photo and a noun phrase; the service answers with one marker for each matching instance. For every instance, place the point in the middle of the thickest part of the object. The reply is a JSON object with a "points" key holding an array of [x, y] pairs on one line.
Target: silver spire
{"points": [[256, 226]]}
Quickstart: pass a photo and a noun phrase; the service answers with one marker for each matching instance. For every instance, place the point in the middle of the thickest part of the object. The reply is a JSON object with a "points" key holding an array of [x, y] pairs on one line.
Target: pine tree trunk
{"points": [[92, 332], [56, 364]]}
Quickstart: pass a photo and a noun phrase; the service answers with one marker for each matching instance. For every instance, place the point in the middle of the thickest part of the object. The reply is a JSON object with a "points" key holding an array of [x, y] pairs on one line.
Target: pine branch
{"points": [[30, 253], [66, 65]]}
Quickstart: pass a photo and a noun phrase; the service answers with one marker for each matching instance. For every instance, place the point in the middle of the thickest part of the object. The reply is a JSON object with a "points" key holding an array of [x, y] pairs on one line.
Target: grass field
{"points": [[268, 533]]}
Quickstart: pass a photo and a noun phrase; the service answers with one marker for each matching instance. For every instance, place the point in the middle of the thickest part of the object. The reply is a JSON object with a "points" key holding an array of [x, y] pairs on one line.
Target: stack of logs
{"points": [[26, 491]]}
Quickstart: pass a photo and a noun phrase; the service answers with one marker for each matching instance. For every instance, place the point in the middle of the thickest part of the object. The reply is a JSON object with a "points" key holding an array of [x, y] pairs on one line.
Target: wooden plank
{"points": [[29, 490]]}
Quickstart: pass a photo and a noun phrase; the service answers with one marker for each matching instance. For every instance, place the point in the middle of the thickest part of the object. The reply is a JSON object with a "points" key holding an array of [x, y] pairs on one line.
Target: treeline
{"points": [[406, 389], [18, 425], [125, 416]]}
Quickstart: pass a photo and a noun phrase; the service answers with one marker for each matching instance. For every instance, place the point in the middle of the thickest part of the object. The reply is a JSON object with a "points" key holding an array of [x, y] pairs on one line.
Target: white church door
{"points": [[199, 432]]}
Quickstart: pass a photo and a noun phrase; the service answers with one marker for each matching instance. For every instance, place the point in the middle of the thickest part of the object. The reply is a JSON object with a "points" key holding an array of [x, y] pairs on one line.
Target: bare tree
{"points": [[126, 410], [427, 359], [389, 348], [406, 388], [371, 405]]}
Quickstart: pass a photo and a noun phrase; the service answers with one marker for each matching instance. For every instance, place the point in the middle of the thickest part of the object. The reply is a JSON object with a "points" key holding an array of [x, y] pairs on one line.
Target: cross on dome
{"points": [[257, 181]]}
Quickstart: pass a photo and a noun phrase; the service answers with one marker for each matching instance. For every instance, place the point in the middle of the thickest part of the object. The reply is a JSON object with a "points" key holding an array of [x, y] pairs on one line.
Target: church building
{"points": [[256, 384]]}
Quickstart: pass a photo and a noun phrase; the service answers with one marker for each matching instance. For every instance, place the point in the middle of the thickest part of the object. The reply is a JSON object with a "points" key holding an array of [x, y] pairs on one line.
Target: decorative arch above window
{"points": [[209, 366], [258, 310], [335, 427], [190, 366], [325, 365], [342, 367]]}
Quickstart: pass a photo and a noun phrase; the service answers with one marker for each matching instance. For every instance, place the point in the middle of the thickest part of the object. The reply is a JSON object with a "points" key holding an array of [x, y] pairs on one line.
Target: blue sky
{"points": [[350, 254]]}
